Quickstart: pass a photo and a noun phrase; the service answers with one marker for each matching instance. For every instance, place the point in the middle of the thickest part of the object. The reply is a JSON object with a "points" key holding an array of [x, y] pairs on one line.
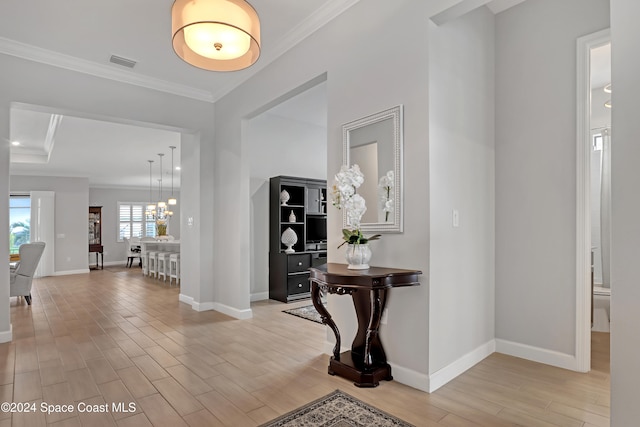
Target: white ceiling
{"points": [[108, 154], [82, 35], [85, 34]]}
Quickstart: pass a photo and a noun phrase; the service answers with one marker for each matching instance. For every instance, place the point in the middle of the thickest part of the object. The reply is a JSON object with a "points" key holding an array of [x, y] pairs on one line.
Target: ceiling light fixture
{"points": [[161, 203], [151, 208], [172, 200], [15, 143], [216, 35]]}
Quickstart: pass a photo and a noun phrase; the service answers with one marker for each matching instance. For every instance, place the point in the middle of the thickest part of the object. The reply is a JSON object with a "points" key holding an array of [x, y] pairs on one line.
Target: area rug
{"points": [[337, 409], [308, 312]]}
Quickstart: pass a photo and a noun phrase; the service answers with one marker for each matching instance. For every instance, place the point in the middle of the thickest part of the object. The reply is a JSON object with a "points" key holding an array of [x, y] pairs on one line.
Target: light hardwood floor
{"points": [[114, 336]]}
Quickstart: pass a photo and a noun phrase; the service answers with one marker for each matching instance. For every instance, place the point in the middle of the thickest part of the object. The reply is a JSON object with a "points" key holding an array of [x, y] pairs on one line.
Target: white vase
{"points": [[284, 197], [358, 256], [289, 238], [292, 217]]}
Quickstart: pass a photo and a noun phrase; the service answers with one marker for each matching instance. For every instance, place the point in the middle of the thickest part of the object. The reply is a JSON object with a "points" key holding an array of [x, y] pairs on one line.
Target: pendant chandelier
{"points": [[216, 35], [158, 211], [151, 207], [172, 200]]}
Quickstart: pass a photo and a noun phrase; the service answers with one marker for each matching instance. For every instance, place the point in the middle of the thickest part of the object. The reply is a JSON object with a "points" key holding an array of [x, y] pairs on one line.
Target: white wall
{"points": [[108, 198], [360, 81], [277, 146], [77, 94], [71, 218], [461, 167], [536, 173], [625, 268]]}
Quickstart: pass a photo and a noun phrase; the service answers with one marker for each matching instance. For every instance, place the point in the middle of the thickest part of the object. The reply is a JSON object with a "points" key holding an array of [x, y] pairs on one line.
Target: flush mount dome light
{"points": [[216, 35]]}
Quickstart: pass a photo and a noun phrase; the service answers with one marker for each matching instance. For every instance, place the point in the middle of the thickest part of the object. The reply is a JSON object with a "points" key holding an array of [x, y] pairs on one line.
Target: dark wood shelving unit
{"points": [[95, 234], [288, 272]]}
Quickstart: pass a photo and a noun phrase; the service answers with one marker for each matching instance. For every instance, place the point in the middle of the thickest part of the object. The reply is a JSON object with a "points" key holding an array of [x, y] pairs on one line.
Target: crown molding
{"points": [[60, 60], [298, 33], [294, 36]]}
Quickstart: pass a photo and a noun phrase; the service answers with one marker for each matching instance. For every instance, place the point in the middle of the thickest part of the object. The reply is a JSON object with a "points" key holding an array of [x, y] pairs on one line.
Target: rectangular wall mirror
{"points": [[374, 143]]}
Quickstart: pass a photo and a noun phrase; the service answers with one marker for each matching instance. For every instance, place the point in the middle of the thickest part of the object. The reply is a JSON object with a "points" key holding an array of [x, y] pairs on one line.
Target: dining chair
{"points": [[133, 250], [21, 279]]}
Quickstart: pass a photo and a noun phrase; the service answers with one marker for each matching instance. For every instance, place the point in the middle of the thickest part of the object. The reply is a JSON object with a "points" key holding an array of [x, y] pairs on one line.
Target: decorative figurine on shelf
{"points": [[289, 238], [284, 197], [292, 217]]}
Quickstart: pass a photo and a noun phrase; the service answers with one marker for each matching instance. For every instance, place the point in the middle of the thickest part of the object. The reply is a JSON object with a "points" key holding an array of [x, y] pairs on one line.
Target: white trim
{"points": [[259, 296], [406, 376], [537, 354], [112, 263], [70, 272], [431, 383], [583, 197], [449, 372], [7, 336], [60, 60], [298, 33], [202, 306], [185, 299], [222, 308], [310, 25], [232, 311]]}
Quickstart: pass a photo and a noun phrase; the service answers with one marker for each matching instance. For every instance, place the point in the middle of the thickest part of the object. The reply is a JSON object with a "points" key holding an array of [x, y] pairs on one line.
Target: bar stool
{"points": [[145, 263], [162, 265], [174, 268], [152, 263]]}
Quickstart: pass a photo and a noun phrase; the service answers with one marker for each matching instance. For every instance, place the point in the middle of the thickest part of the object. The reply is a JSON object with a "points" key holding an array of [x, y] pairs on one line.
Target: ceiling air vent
{"points": [[122, 61]]}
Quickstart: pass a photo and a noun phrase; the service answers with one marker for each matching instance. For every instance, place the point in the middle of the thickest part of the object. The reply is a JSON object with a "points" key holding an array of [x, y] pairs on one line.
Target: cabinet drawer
{"points": [[298, 263], [298, 284]]}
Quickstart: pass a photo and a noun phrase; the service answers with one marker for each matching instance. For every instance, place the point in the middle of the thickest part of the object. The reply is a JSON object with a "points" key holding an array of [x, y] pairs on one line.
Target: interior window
{"points": [[133, 221], [19, 221]]}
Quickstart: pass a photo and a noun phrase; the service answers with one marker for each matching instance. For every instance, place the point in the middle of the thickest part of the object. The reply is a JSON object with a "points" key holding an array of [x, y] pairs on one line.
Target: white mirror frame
{"points": [[396, 114]]}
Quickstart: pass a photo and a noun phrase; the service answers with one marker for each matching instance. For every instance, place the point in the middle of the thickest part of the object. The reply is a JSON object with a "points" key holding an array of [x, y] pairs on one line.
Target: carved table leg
{"points": [[377, 305], [326, 317]]}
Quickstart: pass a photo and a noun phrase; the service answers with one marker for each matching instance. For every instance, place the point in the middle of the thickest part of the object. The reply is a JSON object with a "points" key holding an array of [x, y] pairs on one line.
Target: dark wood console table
{"points": [[366, 363]]}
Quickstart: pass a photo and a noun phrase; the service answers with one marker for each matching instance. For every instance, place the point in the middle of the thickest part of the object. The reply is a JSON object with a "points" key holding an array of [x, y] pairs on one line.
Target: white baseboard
{"points": [[406, 376], [457, 367], [401, 374], [431, 383], [537, 354], [70, 272], [259, 296], [185, 299], [222, 308], [6, 336], [112, 263], [232, 311]]}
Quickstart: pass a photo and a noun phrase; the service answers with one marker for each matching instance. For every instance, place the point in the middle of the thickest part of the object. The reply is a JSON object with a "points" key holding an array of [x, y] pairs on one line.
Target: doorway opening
{"points": [[593, 188]]}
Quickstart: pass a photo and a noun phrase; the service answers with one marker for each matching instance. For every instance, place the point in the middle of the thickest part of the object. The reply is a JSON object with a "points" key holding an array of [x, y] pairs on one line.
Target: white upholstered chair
{"points": [[133, 250], [21, 278]]}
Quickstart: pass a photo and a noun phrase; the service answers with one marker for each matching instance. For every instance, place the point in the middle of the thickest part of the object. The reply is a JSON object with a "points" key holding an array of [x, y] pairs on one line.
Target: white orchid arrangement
{"points": [[385, 192], [344, 196]]}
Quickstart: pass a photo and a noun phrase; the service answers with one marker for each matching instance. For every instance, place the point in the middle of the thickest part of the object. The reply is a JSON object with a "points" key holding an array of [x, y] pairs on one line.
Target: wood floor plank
{"points": [[160, 412], [135, 381], [114, 336]]}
